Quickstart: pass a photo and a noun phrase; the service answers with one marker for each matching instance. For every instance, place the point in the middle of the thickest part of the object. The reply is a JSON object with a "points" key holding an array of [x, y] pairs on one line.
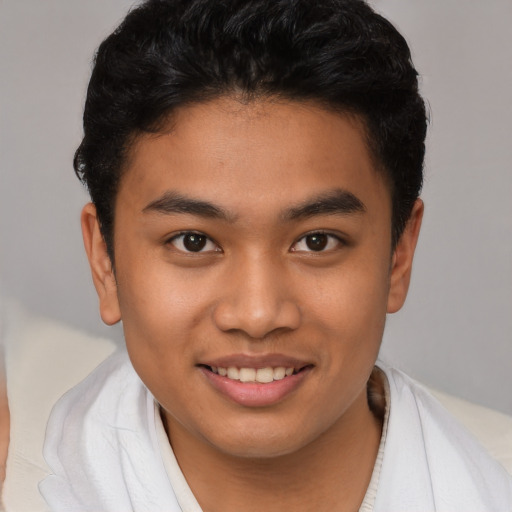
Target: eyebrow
{"points": [[172, 202], [337, 202]]}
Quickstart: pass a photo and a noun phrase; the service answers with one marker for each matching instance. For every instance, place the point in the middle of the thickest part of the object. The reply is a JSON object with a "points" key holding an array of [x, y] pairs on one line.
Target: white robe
{"points": [[102, 447]]}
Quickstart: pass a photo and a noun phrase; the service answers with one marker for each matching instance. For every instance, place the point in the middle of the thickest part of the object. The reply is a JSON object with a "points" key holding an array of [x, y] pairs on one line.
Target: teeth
{"points": [[233, 373], [261, 375], [265, 375], [280, 372], [247, 375]]}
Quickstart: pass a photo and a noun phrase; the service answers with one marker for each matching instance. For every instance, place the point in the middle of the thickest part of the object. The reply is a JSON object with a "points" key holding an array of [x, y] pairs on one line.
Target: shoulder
{"points": [[94, 404], [431, 458], [101, 445]]}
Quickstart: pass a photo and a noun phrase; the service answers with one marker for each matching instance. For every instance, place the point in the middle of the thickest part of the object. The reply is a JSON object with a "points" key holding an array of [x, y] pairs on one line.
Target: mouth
{"points": [[264, 375], [256, 382]]}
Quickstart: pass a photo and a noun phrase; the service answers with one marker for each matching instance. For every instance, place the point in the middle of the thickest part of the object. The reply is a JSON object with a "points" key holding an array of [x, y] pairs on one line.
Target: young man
{"points": [[255, 169]]}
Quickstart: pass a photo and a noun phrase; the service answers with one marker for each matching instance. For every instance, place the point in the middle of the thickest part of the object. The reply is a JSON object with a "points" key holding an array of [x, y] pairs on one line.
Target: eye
{"points": [[191, 241], [317, 242]]}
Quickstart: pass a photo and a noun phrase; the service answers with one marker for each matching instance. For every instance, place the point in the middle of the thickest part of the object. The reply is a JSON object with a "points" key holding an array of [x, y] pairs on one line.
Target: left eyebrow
{"points": [[338, 202]]}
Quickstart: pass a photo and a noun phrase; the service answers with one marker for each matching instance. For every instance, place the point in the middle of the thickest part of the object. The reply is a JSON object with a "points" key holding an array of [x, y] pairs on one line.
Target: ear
{"points": [[401, 264], [101, 266]]}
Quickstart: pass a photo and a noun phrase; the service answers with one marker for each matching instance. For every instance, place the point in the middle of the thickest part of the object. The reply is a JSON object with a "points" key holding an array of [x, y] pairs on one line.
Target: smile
{"points": [[260, 375], [260, 384]]}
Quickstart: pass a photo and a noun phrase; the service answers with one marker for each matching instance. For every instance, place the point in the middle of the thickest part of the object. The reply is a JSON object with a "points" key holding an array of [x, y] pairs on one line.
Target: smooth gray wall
{"points": [[455, 331]]}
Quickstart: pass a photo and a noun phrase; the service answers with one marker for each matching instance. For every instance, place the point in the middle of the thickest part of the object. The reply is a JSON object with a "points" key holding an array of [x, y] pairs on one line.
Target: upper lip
{"points": [[257, 361]]}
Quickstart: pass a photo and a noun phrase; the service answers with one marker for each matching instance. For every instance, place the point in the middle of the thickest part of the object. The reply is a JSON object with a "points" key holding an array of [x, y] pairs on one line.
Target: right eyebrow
{"points": [[171, 202]]}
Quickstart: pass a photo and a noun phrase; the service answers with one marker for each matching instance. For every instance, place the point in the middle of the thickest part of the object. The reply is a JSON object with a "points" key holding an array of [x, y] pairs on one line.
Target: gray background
{"points": [[455, 330]]}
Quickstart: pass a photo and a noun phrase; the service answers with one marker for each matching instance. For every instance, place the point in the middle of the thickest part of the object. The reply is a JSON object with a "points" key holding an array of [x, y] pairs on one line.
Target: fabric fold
{"points": [[102, 445]]}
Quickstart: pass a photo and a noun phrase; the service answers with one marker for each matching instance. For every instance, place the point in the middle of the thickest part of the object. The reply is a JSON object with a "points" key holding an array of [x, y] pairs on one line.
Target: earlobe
{"points": [[401, 264], [101, 266]]}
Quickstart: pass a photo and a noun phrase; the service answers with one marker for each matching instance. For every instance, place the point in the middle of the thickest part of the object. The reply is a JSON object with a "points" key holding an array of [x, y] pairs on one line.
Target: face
{"points": [[254, 271]]}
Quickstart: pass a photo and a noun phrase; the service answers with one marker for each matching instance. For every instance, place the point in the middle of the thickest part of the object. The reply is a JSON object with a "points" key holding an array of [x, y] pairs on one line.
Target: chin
{"points": [[268, 442]]}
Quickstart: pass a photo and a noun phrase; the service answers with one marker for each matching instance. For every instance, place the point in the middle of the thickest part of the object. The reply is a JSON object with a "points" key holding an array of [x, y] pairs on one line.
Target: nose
{"points": [[257, 300]]}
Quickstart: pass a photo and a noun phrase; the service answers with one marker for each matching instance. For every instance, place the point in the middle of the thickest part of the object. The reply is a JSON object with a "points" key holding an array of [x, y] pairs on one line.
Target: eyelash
{"points": [[202, 238], [330, 238], [184, 249]]}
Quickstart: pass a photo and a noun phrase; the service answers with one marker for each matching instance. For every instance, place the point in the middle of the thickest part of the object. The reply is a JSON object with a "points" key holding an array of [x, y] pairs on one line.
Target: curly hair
{"points": [[170, 53]]}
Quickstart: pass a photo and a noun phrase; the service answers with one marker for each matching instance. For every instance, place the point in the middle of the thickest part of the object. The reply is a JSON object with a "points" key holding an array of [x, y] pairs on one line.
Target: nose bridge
{"points": [[257, 299]]}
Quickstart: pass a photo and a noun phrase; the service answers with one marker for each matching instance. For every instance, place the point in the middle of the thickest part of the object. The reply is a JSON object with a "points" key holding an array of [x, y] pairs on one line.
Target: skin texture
{"points": [[257, 289]]}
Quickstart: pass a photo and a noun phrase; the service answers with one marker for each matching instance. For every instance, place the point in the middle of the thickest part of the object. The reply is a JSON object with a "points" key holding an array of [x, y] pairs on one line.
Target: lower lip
{"points": [[255, 394]]}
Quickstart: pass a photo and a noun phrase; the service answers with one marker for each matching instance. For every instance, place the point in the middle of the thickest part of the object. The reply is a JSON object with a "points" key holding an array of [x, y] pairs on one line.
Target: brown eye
{"points": [[190, 242], [317, 242], [194, 242]]}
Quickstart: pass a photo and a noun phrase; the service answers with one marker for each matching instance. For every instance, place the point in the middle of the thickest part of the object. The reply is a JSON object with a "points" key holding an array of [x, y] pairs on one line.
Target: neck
{"points": [[330, 473]]}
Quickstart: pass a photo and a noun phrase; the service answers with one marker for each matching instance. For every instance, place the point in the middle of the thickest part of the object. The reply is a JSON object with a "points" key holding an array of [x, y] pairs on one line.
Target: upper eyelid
{"points": [[326, 232], [173, 236], [339, 238], [169, 239]]}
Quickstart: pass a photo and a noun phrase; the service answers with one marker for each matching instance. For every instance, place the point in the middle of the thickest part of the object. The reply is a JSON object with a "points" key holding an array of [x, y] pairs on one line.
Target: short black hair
{"points": [[170, 53]]}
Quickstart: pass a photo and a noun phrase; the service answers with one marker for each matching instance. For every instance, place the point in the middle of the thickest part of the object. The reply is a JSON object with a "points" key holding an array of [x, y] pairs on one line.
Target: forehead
{"points": [[260, 154]]}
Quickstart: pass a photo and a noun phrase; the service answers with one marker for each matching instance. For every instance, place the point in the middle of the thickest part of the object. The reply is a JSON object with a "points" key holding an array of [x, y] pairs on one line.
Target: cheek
{"points": [[350, 310], [353, 298], [158, 306]]}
